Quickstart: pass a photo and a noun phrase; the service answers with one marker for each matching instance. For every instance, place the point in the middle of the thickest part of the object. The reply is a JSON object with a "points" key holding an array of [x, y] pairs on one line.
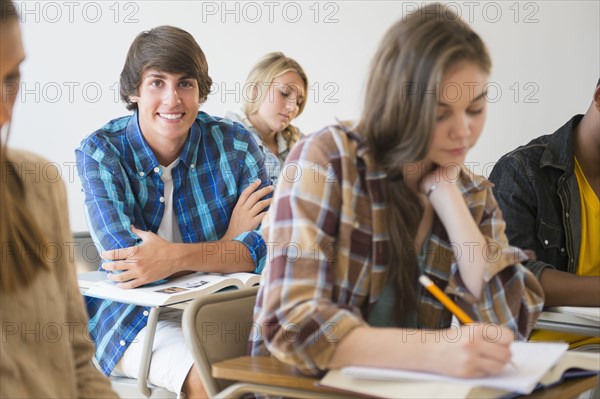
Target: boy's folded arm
{"points": [[108, 215]]}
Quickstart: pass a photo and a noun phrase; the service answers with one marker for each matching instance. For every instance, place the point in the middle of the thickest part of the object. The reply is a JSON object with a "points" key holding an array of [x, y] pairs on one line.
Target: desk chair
{"points": [[140, 388], [129, 388], [216, 328], [87, 259]]}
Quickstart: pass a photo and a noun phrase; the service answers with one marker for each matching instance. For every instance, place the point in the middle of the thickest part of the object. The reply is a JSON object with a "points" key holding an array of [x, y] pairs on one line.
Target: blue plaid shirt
{"points": [[122, 185]]}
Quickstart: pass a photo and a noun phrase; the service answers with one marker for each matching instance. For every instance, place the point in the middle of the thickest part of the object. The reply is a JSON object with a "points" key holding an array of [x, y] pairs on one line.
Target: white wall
{"points": [[545, 53]]}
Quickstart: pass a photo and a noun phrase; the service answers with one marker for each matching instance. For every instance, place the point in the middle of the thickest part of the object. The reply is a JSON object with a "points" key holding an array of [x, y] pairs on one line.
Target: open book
{"points": [[536, 363], [179, 289]]}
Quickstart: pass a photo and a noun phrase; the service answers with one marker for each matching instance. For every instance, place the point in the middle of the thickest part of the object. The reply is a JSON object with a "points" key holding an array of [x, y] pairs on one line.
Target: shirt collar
{"points": [[559, 151], [145, 158], [282, 145], [470, 183], [189, 155], [241, 117]]}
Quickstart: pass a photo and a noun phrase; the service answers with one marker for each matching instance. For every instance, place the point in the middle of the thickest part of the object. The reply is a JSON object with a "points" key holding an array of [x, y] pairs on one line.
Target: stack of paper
{"points": [[585, 312]]}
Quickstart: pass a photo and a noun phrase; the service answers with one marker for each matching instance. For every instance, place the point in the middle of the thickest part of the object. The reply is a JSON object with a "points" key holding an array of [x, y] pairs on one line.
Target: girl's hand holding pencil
{"points": [[451, 305]]}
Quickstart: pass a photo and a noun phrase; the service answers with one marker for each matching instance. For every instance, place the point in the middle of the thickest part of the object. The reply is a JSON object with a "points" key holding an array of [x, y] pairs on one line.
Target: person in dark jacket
{"points": [[548, 191]]}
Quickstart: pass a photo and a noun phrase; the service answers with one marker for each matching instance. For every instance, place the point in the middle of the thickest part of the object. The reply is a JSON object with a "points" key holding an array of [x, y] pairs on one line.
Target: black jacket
{"points": [[537, 190]]}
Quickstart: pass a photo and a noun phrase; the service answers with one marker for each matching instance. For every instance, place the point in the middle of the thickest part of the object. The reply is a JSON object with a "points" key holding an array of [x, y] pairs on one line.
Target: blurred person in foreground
{"points": [[45, 349]]}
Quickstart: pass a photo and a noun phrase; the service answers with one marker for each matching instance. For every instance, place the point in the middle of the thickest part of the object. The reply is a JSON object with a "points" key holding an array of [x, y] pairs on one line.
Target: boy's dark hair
{"points": [[167, 49]]}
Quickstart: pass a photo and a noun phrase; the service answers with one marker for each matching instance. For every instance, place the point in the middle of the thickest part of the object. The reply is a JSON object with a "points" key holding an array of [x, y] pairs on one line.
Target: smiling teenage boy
{"points": [[168, 190]]}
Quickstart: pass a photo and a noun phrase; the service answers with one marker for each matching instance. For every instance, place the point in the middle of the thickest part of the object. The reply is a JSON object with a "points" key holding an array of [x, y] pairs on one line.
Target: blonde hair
{"points": [[398, 117], [21, 238], [262, 75]]}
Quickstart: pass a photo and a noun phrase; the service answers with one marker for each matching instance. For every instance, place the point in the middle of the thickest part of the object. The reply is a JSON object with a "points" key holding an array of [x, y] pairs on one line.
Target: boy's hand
{"points": [[138, 265], [249, 210]]}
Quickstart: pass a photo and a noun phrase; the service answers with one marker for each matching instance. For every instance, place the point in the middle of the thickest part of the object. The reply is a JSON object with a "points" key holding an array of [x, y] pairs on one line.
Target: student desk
{"points": [[270, 371], [147, 348]]}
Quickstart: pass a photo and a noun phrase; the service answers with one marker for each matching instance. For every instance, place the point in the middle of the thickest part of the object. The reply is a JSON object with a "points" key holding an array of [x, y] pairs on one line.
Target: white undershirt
{"points": [[169, 229]]}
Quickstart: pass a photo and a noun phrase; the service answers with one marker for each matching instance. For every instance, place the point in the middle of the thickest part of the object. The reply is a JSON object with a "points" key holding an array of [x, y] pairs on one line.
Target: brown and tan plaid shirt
{"points": [[328, 256]]}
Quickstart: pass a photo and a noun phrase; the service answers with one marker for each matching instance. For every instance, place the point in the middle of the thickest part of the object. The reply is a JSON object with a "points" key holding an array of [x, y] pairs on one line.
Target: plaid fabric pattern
{"points": [[273, 162], [121, 181], [328, 256]]}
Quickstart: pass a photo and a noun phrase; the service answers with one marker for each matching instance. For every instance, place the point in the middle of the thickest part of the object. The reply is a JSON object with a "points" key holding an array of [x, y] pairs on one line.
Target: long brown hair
{"points": [[398, 119], [261, 76], [21, 239]]}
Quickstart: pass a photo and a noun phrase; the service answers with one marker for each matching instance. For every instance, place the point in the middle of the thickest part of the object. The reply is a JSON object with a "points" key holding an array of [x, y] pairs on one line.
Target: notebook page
{"points": [[532, 361]]}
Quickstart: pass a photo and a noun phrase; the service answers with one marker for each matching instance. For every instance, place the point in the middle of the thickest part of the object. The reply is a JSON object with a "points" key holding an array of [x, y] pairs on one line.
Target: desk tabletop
{"points": [[270, 371], [264, 370], [87, 280]]}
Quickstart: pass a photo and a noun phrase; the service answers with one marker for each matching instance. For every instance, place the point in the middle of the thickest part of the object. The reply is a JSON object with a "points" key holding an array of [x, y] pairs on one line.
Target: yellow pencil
{"points": [[445, 300], [448, 303]]}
